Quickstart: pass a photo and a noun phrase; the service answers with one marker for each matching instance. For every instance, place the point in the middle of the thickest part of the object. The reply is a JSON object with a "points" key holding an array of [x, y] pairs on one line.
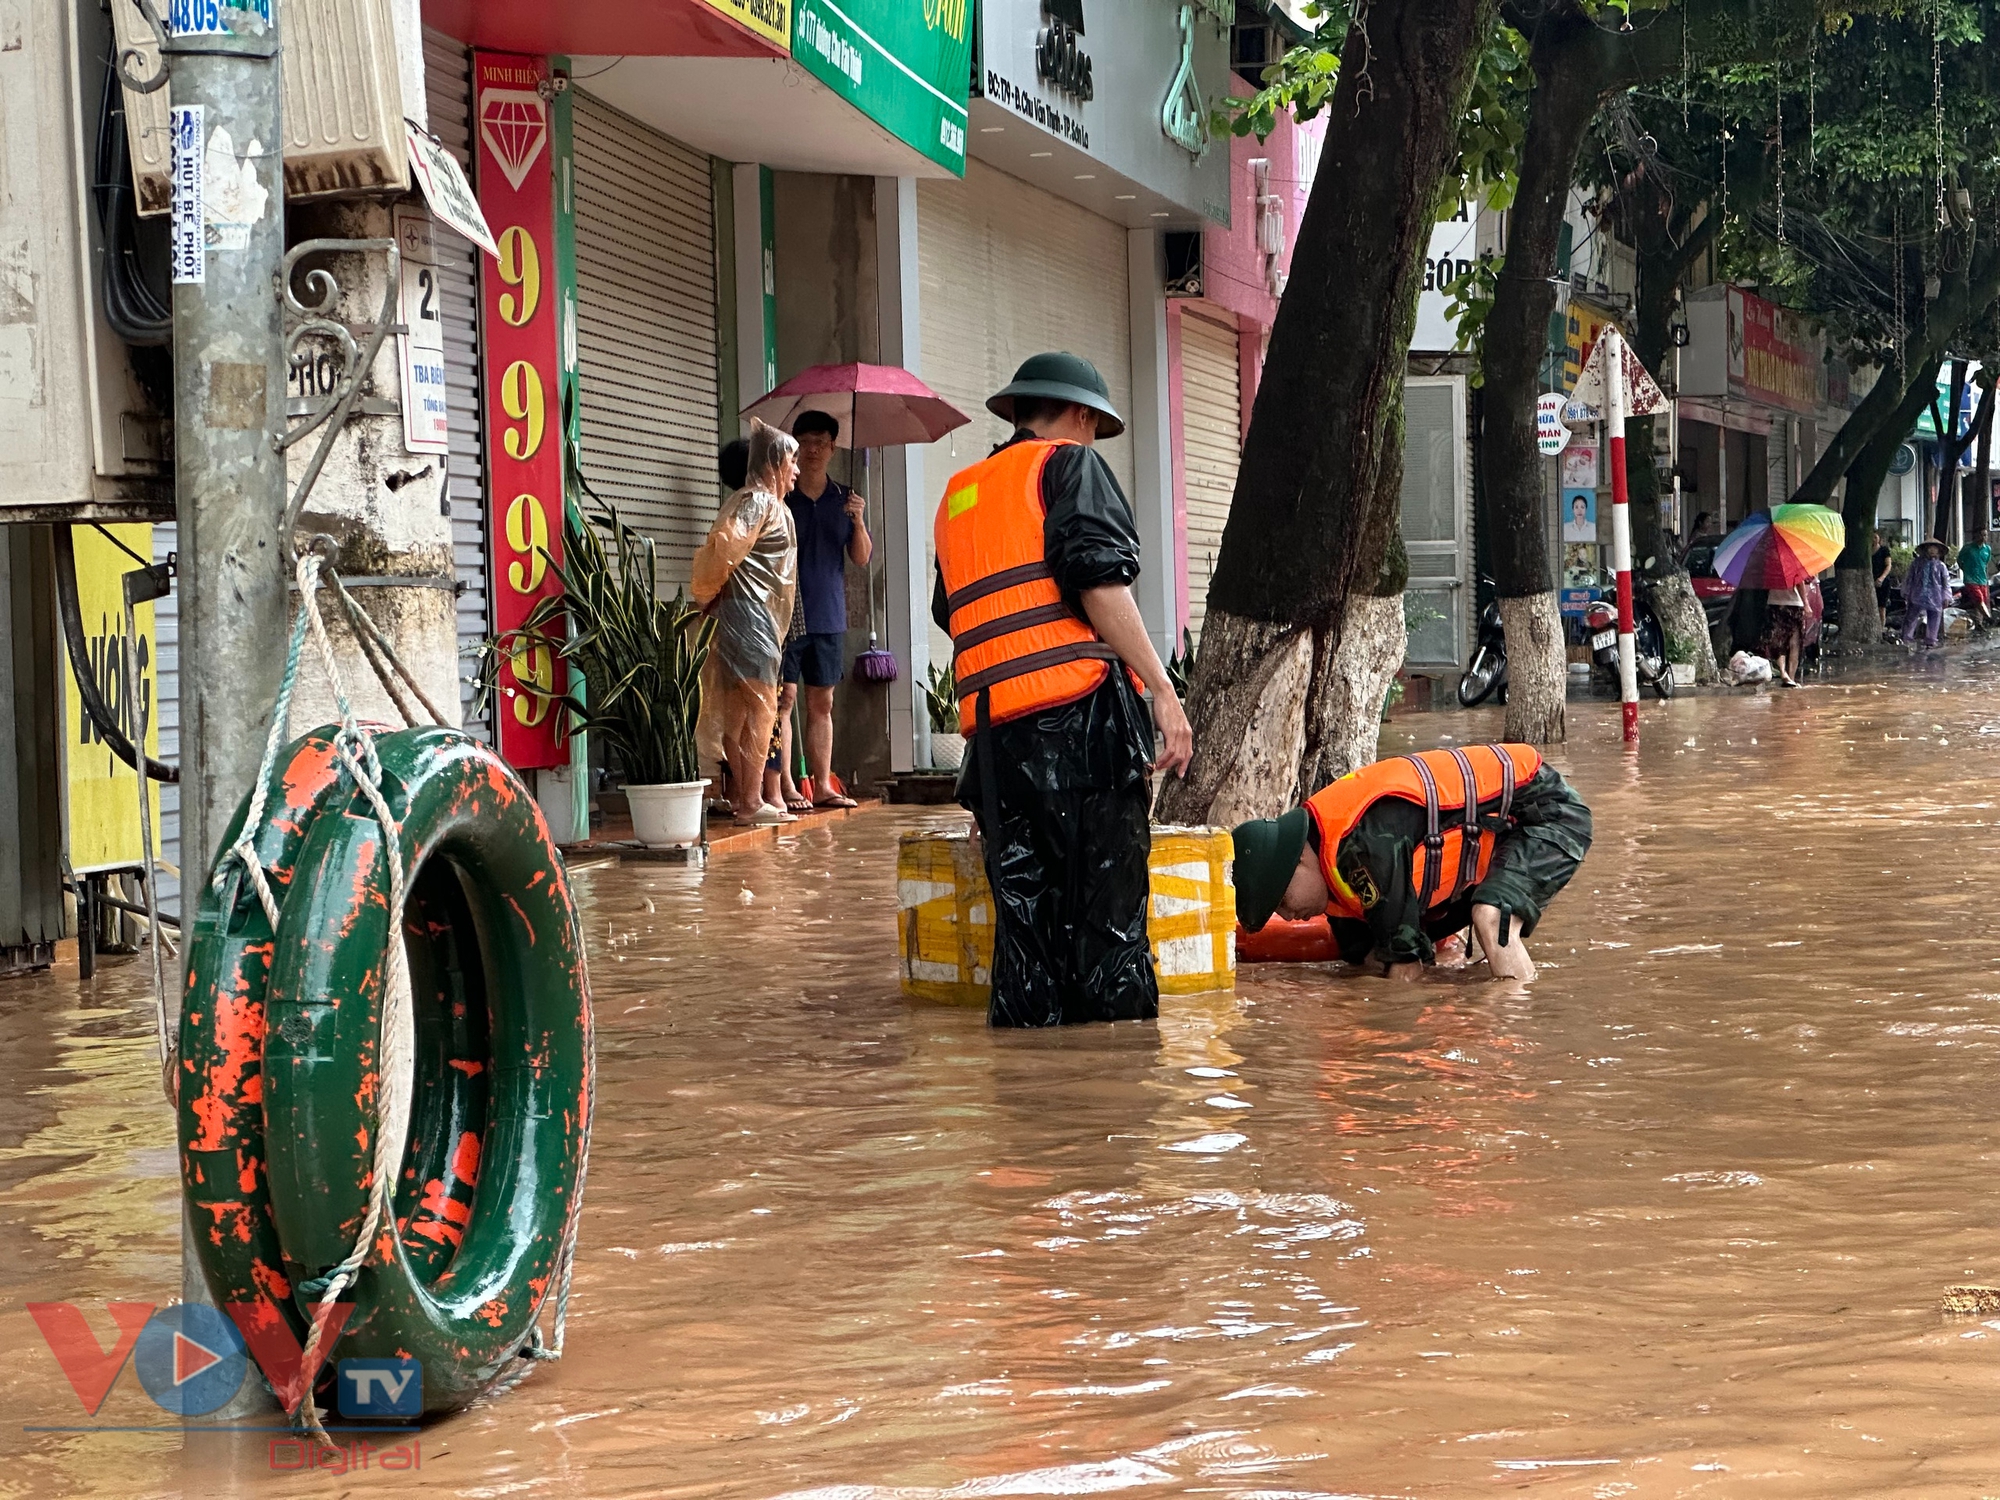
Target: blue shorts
{"points": [[816, 658]]}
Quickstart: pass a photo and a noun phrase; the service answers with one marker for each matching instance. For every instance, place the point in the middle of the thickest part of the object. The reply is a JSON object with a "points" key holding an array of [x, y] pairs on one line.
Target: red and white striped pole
{"points": [[1621, 529]]}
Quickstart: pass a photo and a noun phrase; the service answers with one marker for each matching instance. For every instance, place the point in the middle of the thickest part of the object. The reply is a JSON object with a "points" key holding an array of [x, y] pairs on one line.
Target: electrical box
{"points": [[82, 411], [344, 103]]}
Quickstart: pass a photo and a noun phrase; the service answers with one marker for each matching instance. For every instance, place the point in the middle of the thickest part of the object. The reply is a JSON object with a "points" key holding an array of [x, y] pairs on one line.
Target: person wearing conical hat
{"points": [[1036, 552], [1405, 852]]}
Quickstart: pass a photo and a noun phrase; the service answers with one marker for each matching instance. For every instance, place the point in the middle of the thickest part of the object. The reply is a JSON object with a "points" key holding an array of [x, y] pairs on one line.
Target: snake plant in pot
{"points": [[639, 658]]}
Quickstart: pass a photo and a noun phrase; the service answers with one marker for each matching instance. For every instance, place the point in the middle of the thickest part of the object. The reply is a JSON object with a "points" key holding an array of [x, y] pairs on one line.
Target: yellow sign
{"points": [[771, 19], [103, 796]]}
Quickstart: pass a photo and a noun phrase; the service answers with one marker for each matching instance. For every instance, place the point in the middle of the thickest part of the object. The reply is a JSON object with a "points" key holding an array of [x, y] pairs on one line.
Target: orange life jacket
{"points": [[1454, 856], [1017, 648]]}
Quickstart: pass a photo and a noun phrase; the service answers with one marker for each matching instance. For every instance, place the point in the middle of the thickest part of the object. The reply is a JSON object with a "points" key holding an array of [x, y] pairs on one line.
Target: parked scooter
{"points": [[1487, 672], [1649, 641]]}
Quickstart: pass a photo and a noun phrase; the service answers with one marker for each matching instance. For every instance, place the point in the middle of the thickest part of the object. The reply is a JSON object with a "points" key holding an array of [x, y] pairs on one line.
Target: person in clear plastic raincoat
{"points": [[744, 575]]}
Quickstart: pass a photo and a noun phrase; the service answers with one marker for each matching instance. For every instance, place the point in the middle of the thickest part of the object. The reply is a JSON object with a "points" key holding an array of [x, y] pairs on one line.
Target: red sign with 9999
{"points": [[523, 434]]}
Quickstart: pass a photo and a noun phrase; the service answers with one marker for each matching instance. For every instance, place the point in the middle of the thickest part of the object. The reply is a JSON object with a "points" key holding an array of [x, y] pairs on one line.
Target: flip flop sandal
{"points": [[829, 802], [797, 805]]}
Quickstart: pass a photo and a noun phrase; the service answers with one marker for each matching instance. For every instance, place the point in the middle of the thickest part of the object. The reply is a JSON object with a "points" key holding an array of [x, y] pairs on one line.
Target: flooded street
{"points": [[1673, 1222]]}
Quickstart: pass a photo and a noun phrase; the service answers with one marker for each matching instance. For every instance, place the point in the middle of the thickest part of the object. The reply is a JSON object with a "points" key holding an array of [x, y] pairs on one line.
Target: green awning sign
{"points": [[1927, 428], [906, 64]]}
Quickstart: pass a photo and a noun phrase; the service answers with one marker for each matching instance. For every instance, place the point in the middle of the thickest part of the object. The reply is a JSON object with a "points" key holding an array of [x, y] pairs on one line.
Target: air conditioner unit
{"points": [[343, 99]]}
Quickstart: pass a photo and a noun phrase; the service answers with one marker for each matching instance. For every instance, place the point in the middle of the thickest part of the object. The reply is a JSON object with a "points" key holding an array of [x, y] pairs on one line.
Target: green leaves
{"points": [[635, 660], [941, 698]]}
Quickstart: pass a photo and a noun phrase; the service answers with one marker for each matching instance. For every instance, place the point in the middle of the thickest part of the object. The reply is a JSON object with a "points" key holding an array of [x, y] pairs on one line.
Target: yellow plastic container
{"points": [[945, 914]]}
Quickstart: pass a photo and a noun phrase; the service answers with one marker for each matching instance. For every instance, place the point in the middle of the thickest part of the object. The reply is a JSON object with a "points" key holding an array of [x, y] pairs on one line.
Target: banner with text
{"points": [[102, 791], [524, 459]]}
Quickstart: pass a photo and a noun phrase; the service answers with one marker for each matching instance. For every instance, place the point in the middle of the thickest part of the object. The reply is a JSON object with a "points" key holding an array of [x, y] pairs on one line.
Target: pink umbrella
{"points": [[878, 406]]}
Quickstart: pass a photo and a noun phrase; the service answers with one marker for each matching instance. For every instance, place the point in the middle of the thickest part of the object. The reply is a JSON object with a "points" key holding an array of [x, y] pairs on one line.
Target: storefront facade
{"points": [[739, 212]]}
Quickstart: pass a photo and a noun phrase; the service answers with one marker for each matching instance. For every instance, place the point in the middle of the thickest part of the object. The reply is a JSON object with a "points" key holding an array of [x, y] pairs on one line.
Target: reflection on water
{"points": [[1674, 1221]]}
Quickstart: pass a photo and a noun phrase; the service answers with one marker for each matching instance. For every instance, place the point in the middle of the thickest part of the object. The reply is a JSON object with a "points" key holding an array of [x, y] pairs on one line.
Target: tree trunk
{"points": [[1681, 615], [1516, 524], [1248, 705], [1537, 669], [1308, 492], [1873, 453], [1351, 678], [1860, 623]]}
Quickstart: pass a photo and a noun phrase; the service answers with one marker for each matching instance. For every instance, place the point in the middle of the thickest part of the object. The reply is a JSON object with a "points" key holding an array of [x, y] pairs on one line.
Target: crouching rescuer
{"points": [[1405, 852], [1036, 552]]}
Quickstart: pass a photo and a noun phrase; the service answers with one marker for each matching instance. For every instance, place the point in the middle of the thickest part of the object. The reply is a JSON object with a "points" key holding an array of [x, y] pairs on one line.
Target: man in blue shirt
{"points": [[832, 528]]}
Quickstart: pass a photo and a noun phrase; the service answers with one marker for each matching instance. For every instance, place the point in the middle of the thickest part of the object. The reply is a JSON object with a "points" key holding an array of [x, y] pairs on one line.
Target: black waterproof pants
{"points": [[1070, 892]]}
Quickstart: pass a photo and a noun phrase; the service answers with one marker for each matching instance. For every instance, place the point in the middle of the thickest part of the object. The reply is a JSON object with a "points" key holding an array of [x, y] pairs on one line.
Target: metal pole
{"points": [[229, 402], [1621, 529]]}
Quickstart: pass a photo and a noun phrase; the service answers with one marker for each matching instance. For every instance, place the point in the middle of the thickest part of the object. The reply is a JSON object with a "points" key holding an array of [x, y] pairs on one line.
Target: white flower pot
{"points": [[667, 816], [1683, 674], [947, 751]]}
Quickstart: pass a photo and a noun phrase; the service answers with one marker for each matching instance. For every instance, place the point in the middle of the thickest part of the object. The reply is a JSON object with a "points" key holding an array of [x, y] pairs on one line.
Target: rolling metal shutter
{"points": [[645, 327], [1007, 271], [448, 86], [1210, 446], [167, 651]]}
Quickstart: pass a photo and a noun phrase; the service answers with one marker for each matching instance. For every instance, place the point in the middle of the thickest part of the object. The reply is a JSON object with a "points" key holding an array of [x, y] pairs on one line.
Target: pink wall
{"points": [[1234, 281]]}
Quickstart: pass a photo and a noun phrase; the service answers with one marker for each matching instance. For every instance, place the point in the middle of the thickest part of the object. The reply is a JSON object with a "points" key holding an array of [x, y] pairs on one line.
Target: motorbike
{"points": [[1486, 674], [1649, 641]]}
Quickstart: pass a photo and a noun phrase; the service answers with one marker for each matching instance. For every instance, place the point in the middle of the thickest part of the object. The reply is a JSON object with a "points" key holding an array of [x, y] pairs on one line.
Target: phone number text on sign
{"points": [[187, 252]]}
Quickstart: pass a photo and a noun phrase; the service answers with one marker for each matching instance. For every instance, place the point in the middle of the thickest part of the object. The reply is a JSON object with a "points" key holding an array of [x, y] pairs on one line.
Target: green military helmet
{"points": [[1060, 377], [1267, 852]]}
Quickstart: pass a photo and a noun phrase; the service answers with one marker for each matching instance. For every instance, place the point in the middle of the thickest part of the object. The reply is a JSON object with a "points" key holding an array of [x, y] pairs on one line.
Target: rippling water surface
{"points": [[1673, 1222]]}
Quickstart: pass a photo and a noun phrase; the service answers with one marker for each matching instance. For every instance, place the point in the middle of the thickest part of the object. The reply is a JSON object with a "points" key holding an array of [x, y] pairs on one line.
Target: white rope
{"points": [[395, 1062]]}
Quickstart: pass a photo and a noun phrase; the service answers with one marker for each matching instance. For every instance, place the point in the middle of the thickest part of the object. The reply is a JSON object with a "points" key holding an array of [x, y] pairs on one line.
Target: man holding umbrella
{"points": [[1036, 552]]}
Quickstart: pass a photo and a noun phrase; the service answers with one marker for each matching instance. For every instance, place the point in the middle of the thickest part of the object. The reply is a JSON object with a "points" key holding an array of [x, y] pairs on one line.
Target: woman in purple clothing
{"points": [[1926, 592]]}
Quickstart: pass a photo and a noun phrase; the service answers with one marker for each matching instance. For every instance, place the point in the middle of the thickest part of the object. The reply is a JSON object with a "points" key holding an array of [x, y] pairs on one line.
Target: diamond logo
{"points": [[514, 123]]}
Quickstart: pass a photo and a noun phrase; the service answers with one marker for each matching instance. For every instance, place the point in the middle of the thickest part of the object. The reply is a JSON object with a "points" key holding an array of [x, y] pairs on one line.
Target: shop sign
{"points": [[1060, 59], [425, 409], [524, 445], [1773, 353], [1550, 434], [1576, 601], [1139, 108], [445, 189], [906, 64], [770, 19], [102, 791]]}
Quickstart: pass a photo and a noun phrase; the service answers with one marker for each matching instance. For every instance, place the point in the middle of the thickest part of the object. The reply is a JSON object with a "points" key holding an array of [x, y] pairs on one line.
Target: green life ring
{"points": [[494, 1157], [219, 1072]]}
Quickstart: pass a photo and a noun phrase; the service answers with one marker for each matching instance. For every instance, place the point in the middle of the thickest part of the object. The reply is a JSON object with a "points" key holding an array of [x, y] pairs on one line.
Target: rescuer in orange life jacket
{"points": [[1036, 552], [1405, 852]]}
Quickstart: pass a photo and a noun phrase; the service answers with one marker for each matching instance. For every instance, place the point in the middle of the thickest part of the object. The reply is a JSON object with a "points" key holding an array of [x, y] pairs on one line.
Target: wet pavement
{"points": [[1673, 1222]]}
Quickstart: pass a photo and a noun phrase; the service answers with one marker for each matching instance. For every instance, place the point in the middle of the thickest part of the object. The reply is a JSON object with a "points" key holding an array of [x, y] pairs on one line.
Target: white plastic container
{"points": [[668, 816], [947, 751]]}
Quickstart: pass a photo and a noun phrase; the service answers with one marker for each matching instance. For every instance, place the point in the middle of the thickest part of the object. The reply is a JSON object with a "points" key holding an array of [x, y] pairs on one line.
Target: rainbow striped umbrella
{"points": [[1782, 548]]}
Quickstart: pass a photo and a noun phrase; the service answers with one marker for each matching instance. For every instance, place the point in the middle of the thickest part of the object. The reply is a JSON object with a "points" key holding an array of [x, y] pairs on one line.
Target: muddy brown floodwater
{"points": [[1674, 1222]]}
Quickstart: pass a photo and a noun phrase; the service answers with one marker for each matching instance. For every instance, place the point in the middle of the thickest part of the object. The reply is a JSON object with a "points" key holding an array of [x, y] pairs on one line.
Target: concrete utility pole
{"points": [[229, 401], [229, 475]]}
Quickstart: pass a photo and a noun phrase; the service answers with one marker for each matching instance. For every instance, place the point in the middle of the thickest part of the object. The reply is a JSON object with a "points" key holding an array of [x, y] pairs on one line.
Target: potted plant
{"points": [[941, 697], [638, 660], [1680, 656]]}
